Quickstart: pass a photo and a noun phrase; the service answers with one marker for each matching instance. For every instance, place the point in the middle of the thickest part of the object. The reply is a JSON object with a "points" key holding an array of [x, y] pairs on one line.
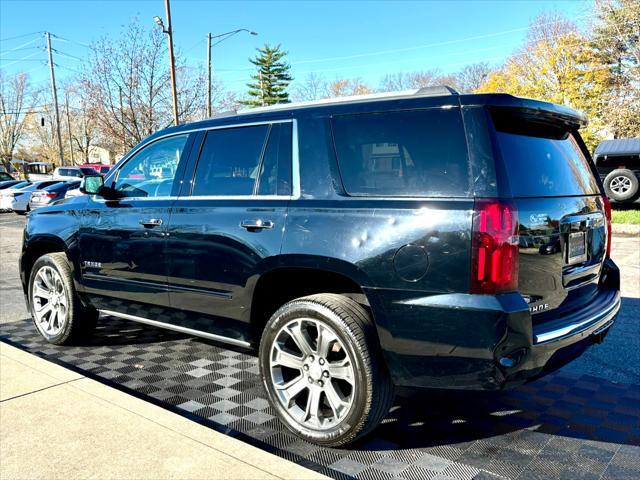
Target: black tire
{"points": [[373, 393], [612, 181], [80, 320]]}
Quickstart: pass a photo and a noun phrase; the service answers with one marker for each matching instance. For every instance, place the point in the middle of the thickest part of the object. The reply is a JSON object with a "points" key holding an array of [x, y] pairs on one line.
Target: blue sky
{"points": [[339, 39]]}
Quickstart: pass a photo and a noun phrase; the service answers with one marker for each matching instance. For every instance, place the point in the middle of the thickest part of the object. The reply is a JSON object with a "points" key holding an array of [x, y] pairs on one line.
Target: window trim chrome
{"points": [[295, 164]]}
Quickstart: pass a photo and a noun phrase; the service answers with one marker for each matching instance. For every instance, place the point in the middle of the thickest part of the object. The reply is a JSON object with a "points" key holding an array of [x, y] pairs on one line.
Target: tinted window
{"points": [[631, 162], [275, 175], [229, 161], [409, 153], [539, 166], [151, 171], [88, 171]]}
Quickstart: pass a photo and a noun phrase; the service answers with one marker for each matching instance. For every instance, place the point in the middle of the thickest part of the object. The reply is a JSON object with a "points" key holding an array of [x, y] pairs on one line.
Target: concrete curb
{"points": [[625, 229]]}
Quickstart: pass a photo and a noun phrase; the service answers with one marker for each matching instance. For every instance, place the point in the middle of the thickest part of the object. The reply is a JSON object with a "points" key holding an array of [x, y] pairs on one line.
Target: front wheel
{"points": [[57, 312], [322, 369]]}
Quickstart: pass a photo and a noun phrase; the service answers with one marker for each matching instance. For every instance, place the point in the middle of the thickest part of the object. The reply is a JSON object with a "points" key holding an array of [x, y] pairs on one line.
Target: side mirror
{"points": [[91, 184]]}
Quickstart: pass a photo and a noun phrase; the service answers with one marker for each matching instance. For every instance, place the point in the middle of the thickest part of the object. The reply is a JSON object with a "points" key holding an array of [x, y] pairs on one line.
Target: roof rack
{"points": [[434, 91]]}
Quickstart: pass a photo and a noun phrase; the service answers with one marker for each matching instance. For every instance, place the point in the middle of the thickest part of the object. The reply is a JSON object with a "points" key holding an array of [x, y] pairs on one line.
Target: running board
{"points": [[177, 328]]}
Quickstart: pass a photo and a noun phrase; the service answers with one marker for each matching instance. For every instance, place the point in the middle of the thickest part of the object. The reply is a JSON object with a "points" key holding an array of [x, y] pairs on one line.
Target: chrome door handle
{"points": [[252, 225], [152, 222]]}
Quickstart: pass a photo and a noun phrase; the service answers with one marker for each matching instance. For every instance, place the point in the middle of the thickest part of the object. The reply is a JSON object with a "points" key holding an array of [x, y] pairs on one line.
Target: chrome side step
{"points": [[177, 328]]}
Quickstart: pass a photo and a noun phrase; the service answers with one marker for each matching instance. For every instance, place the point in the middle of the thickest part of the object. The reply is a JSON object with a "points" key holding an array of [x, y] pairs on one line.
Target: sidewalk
{"points": [[55, 423]]}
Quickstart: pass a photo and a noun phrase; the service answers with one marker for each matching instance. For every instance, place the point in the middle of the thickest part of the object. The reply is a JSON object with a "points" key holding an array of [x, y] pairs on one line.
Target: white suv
{"points": [[72, 173]]}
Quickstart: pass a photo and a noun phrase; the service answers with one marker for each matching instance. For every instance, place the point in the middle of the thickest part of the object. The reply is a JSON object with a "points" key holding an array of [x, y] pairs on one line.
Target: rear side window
{"points": [[403, 154], [544, 165], [630, 162], [244, 161]]}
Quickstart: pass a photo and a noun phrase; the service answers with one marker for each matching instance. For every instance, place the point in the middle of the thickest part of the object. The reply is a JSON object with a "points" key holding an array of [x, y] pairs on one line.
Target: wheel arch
{"points": [[286, 277], [34, 248]]}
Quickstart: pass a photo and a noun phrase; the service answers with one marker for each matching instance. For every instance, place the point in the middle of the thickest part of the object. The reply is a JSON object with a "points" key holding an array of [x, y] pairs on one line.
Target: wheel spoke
{"points": [[298, 336], [292, 389], [313, 404], [40, 292], [325, 339], [336, 402], [286, 359], [341, 370]]}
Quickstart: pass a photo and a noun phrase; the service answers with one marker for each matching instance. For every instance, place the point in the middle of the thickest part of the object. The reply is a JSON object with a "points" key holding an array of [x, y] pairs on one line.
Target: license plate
{"points": [[577, 248]]}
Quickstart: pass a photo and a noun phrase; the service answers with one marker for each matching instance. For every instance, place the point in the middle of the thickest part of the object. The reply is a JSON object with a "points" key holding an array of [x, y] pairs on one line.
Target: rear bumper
{"points": [[484, 342]]}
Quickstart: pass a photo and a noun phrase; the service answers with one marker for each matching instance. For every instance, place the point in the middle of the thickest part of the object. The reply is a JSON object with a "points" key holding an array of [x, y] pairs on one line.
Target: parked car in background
{"points": [[359, 244], [98, 167], [12, 183], [50, 194], [75, 192], [21, 197], [38, 171], [618, 164], [72, 173], [6, 195], [4, 176]]}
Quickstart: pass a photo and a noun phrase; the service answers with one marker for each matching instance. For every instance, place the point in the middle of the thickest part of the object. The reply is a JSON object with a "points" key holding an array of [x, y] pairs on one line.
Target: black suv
{"points": [[618, 163], [423, 239]]}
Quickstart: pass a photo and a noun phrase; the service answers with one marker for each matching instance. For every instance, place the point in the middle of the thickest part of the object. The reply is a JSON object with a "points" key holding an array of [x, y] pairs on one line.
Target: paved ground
{"points": [[581, 422]]}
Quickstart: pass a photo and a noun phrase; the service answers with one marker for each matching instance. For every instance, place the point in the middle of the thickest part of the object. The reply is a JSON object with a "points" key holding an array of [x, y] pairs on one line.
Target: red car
{"points": [[98, 167]]}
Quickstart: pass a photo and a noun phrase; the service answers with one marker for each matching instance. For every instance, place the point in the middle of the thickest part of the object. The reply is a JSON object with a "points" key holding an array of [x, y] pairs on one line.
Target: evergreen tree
{"points": [[269, 84]]}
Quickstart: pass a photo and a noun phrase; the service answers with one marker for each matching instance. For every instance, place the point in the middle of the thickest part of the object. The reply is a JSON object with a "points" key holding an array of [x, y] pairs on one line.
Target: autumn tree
{"points": [[471, 77], [558, 65], [616, 39], [346, 87], [269, 84], [17, 100]]}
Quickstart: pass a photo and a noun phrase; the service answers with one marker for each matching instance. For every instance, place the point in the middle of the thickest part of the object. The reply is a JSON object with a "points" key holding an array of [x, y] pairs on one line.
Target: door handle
{"points": [[152, 222], [253, 225]]}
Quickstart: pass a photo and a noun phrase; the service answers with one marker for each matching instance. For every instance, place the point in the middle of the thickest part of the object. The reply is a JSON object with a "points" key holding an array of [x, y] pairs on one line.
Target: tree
{"points": [[346, 87], [314, 87], [616, 39], [471, 77], [269, 84], [17, 99], [557, 64], [128, 84]]}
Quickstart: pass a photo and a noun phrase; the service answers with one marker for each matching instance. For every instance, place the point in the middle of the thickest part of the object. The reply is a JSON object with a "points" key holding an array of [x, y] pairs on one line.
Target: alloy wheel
{"points": [[620, 185], [312, 373], [49, 300]]}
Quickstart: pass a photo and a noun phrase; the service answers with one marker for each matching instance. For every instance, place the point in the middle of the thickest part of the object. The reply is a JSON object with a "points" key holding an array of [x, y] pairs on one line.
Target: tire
{"points": [[73, 322], [343, 372], [621, 185]]}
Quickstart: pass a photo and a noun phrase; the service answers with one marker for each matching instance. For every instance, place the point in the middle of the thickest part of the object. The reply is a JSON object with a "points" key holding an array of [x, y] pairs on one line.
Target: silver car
{"points": [[21, 197]]}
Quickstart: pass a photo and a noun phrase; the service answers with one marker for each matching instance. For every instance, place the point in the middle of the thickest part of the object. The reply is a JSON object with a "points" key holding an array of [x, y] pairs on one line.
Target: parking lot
{"points": [[581, 422]]}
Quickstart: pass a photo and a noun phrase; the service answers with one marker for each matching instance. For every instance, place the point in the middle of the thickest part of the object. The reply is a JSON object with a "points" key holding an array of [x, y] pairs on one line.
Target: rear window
{"points": [[631, 162], [403, 154], [543, 162]]}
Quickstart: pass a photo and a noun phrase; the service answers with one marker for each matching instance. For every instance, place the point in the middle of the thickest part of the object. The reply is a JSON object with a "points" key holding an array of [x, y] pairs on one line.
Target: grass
{"points": [[625, 214]]}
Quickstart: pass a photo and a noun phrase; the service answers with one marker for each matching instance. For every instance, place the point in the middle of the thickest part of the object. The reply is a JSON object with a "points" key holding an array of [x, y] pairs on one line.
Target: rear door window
{"points": [[404, 153]]}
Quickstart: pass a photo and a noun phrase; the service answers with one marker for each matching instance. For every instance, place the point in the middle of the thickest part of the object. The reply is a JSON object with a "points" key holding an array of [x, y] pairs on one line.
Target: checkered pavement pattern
{"points": [[562, 426]]}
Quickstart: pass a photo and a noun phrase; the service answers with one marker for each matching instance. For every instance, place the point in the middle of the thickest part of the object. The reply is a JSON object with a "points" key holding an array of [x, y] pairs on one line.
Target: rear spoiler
{"points": [[526, 108]]}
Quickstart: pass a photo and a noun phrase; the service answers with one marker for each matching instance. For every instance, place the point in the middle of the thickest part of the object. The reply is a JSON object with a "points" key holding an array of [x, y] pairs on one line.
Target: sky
{"points": [[338, 39]]}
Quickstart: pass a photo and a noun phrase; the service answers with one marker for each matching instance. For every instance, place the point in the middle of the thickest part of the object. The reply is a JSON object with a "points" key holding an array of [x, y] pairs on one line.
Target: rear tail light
{"points": [[607, 213], [494, 247]]}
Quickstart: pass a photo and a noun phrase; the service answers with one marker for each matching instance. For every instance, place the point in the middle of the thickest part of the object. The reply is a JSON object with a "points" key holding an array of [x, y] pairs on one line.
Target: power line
{"points": [[63, 39], [20, 36], [20, 47]]}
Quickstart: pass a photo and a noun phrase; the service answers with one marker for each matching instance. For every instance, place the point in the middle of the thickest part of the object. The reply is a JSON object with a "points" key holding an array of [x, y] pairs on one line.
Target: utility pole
{"points": [[54, 93], [66, 101], [261, 87], [172, 65], [209, 75]]}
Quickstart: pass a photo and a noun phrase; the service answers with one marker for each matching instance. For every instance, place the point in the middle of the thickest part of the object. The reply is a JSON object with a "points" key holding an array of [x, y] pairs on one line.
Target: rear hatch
{"points": [[543, 165]]}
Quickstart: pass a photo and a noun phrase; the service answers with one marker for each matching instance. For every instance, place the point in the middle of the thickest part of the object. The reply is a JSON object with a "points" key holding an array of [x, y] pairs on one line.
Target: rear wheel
{"points": [[621, 185], [322, 369], [57, 312]]}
